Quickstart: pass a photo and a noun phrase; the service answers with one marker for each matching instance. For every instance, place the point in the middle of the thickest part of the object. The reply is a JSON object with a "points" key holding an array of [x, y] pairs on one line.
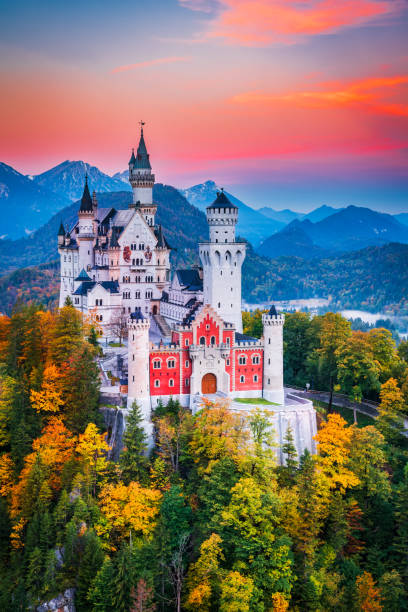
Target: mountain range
{"points": [[348, 229], [25, 205], [252, 225], [68, 178], [287, 215]]}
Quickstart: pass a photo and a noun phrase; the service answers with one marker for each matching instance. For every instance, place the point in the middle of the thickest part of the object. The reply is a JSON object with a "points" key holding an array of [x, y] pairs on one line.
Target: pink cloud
{"points": [[146, 64], [371, 92], [264, 22]]}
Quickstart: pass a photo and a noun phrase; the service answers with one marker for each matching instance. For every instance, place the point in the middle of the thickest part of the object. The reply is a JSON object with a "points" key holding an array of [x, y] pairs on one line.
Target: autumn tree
{"points": [[390, 420], [368, 594], [204, 575], [358, 370], [334, 445], [49, 398], [236, 593]]}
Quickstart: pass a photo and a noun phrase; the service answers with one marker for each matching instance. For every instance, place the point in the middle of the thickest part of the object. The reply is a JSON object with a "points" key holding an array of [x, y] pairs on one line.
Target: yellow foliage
{"points": [[279, 603], [218, 432], [6, 474], [236, 593], [334, 439], [49, 398], [128, 510], [202, 573]]}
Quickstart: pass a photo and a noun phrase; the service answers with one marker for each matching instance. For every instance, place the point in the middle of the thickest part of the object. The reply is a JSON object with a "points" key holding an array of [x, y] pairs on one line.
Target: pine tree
{"points": [[123, 580], [133, 460], [50, 572], [34, 579], [90, 563], [287, 472], [93, 337], [101, 592]]}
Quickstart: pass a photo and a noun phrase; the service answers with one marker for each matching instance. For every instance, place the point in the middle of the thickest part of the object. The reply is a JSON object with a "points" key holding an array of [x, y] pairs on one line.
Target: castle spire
{"points": [[86, 200], [142, 156]]}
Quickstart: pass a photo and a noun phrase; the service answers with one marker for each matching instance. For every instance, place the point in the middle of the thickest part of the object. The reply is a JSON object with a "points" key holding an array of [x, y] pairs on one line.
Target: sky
{"points": [[285, 103]]}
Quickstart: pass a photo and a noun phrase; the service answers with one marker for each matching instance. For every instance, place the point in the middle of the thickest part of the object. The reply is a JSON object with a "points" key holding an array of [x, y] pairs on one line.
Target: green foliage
{"points": [[133, 459]]}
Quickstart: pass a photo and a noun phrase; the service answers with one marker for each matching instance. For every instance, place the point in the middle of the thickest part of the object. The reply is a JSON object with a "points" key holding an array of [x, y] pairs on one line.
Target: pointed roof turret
{"points": [[142, 156], [272, 311], [221, 201], [132, 159], [83, 276], [86, 200], [61, 231]]}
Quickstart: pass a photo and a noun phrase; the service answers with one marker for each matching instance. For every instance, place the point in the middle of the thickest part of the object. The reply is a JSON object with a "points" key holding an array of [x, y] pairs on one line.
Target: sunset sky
{"points": [[293, 103]]}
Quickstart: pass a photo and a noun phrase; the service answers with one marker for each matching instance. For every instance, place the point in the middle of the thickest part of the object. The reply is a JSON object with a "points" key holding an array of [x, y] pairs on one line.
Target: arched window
{"points": [[255, 359], [171, 363], [171, 382], [255, 378], [242, 379], [212, 341], [157, 364], [202, 340], [157, 383], [242, 360]]}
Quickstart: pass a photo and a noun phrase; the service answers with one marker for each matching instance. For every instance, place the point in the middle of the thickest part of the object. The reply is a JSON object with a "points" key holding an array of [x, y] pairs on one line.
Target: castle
{"points": [[185, 335]]}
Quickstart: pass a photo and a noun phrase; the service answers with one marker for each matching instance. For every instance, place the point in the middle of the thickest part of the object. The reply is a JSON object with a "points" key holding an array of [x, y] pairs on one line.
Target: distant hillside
{"points": [[349, 229], [374, 279], [402, 218], [283, 216], [252, 225], [68, 179], [287, 215], [25, 206], [293, 240], [184, 226]]}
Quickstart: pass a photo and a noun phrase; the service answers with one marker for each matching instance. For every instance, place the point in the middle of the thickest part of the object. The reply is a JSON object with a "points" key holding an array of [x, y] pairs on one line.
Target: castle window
{"points": [[141, 246], [242, 360], [255, 359], [186, 342], [187, 364], [207, 326], [149, 295], [255, 378], [227, 339], [227, 362], [219, 304], [137, 295], [76, 300], [212, 341], [187, 381], [157, 383], [269, 381], [171, 363], [202, 340], [242, 379], [269, 362], [171, 382], [269, 341], [157, 364]]}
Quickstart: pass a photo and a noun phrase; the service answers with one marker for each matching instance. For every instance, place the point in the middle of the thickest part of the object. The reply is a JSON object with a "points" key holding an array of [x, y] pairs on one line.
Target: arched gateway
{"points": [[209, 384]]}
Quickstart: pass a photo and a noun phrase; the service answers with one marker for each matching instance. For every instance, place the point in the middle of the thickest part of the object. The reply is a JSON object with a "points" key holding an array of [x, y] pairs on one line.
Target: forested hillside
{"points": [[208, 521], [374, 279]]}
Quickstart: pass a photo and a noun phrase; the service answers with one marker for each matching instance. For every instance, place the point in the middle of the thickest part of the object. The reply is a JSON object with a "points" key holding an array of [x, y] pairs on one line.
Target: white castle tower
{"points": [[273, 356], [138, 367], [86, 234], [222, 259], [142, 181]]}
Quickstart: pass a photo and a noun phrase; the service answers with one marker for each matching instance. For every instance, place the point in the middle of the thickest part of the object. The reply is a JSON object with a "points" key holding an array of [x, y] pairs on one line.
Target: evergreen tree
{"points": [[93, 337], [34, 579], [90, 563], [287, 472], [101, 592], [133, 460], [123, 580], [50, 572]]}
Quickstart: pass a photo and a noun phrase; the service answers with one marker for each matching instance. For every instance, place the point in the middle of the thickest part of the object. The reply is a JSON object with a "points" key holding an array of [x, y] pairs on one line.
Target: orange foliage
{"points": [[6, 474], [368, 595]]}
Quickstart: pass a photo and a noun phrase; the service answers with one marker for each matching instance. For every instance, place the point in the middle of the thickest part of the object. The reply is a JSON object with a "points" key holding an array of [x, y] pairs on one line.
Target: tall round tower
{"points": [[85, 236], [142, 181], [273, 356], [138, 367], [222, 259]]}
